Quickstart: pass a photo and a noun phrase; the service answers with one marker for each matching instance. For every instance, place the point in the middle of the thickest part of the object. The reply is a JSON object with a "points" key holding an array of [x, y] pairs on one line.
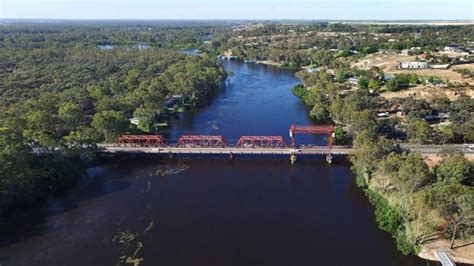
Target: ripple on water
{"points": [[165, 170]]}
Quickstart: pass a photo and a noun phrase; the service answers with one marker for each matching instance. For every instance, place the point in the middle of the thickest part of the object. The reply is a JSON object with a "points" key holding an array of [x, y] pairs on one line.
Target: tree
{"points": [[71, 114], [373, 85], [132, 79], [339, 135], [110, 124], [368, 150], [319, 113], [418, 131], [413, 79], [363, 83], [455, 168], [18, 173], [388, 170], [446, 133], [363, 120], [413, 174], [393, 85], [462, 216], [440, 104], [454, 201]]}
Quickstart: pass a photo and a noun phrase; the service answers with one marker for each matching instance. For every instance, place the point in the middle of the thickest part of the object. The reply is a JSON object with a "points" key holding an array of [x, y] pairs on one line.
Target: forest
{"points": [[318, 44], [65, 88]]}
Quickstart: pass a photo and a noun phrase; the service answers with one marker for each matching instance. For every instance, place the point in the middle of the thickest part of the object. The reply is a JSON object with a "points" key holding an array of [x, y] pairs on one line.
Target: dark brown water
{"points": [[212, 211]]}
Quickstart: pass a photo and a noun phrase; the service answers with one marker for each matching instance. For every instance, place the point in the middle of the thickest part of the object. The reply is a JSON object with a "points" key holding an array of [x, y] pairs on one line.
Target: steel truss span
{"points": [[271, 142], [318, 129], [210, 141], [190, 141], [141, 141]]}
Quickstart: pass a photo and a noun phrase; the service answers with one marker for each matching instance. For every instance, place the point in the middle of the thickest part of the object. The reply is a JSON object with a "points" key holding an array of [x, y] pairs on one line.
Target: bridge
{"points": [[250, 145], [212, 144]]}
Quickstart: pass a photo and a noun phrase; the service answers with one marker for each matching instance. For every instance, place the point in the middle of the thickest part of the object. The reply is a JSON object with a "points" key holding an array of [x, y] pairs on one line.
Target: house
{"points": [[406, 52], [423, 56], [135, 121], [451, 48], [432, 119], [439, 66], [413, 65], [354, 80], [382, 114], [387, 76]]}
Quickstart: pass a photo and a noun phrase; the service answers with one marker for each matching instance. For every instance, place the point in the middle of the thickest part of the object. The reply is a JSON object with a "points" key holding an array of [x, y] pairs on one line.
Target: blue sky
{"points": [[239, 9]]}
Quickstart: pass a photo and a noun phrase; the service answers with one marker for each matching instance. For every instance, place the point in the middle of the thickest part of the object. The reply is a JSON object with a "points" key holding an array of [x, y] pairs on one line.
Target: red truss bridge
{"points": [[266, 142], [327, 130], [201, 142], [141, 141], [211, 144]]}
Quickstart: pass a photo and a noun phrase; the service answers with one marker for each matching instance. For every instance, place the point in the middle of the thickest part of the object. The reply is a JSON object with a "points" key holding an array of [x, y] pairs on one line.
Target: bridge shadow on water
{"points": [[34, 220]]}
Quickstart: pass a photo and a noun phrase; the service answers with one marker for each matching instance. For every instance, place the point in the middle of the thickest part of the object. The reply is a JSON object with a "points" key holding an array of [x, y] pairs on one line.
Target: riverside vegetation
{"points": [[412, 202], [62, 92]]}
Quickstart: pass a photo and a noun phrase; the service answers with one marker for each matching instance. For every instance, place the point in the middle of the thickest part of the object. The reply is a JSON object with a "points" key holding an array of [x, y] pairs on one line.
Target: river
{"points": [[213, 211]]}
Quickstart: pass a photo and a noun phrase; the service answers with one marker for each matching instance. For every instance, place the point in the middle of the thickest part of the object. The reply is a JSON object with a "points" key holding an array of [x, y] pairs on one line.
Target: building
{"points": [[423, 56], [451, 48], [406, 52], [387, 76], [413, 65], [354, 80]]}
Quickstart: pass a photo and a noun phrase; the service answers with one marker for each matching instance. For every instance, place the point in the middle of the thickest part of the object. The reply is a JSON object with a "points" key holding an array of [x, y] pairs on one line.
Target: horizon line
{"points": [[237, 19]]}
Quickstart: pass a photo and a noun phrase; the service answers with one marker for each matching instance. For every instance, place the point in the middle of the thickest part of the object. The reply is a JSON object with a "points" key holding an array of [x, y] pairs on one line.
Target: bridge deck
{"points": [[228, 150], [304, 150]]}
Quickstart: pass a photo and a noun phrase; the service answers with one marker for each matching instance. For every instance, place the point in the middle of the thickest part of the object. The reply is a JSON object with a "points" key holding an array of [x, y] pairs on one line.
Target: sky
{"points": [[240, 9]]}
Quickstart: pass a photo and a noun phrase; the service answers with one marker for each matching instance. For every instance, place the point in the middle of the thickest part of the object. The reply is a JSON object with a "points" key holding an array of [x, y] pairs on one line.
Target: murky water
{"points": [[213, 211]]}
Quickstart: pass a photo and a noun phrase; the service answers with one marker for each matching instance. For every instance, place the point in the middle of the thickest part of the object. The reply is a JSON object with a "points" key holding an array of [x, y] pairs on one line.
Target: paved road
{"points": [[308, 150], [229, 150], [435, 149]]}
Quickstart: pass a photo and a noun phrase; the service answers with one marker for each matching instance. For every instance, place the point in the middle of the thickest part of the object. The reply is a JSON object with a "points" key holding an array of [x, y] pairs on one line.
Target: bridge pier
{"points": [[329, 158], [292, 158], [231, 155]]}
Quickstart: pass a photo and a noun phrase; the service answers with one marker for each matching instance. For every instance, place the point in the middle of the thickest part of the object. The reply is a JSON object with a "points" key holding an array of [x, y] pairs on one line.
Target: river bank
{"points": [[205, 211], [463, 254], [384, 173]]}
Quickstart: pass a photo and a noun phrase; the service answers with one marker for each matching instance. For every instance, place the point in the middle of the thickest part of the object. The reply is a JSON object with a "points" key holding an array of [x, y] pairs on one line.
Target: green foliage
{"points": [[401, 81], [363, 83], [26, 178], [110, 124], [289, 65], [373, 85], [340, 136], [418, 130], [61, 93], [388, 218], [455, 168], [403, 245], [446, 132], [413, 173], [300, 91], [319, 113]]}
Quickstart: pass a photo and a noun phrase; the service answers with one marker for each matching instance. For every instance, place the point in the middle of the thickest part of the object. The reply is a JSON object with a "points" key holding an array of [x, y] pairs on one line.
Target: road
{"points": [[306, 150]]}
